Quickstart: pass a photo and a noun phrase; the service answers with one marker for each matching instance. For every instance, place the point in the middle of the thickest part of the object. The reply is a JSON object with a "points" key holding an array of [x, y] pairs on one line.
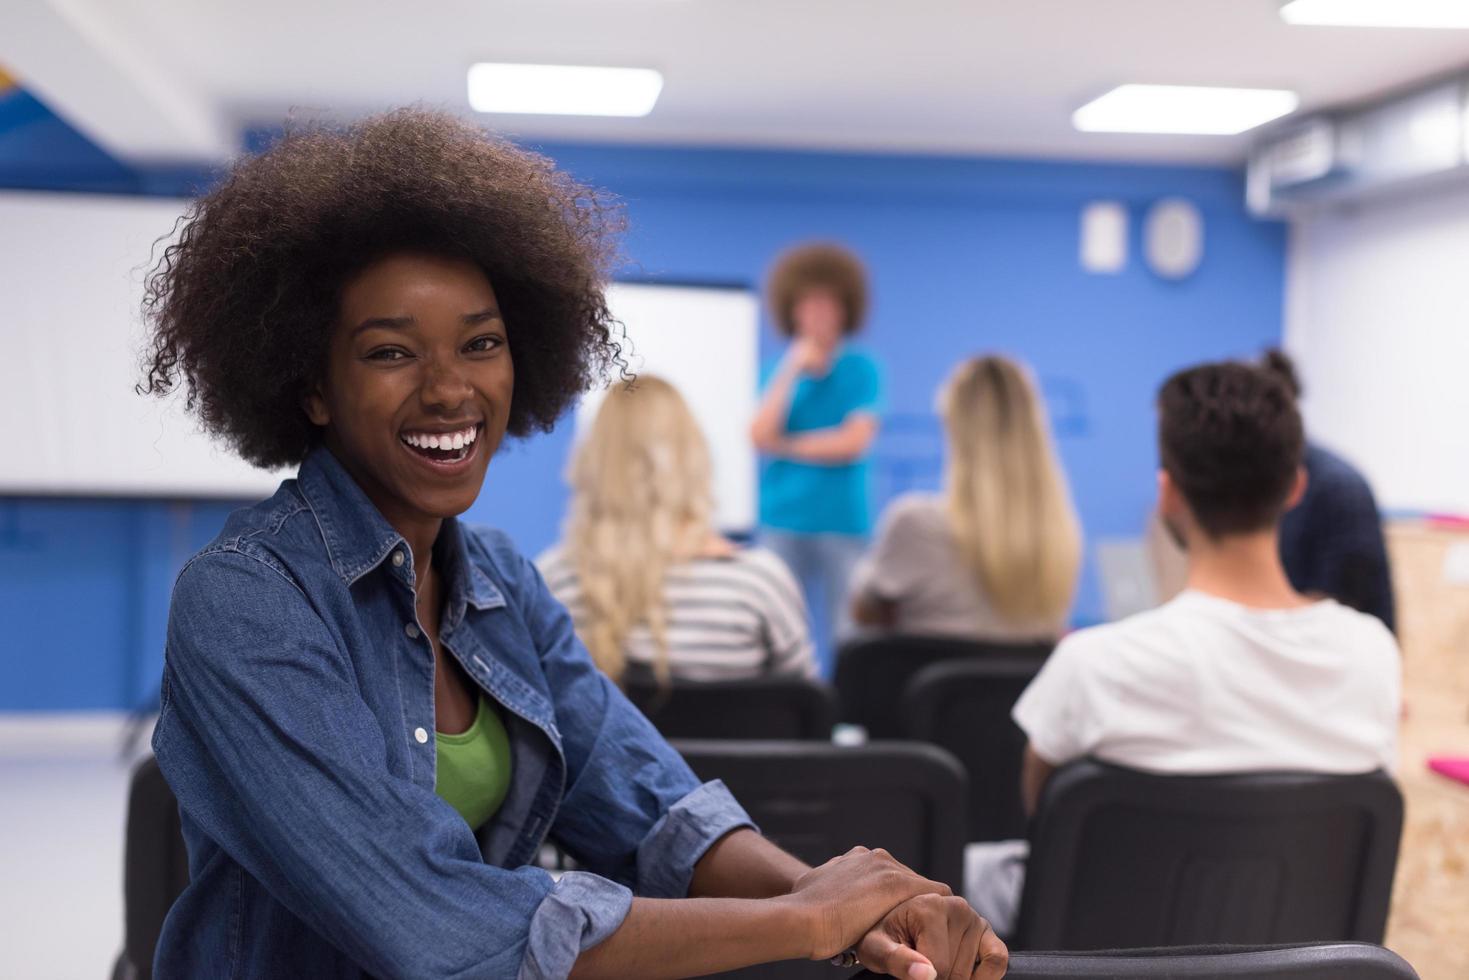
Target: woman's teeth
{"points": [[442, 447], [442, 441]]}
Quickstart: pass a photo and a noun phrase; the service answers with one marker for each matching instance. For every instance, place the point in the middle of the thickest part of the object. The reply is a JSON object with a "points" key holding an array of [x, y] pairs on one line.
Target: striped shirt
{"points": [[728, 618]]}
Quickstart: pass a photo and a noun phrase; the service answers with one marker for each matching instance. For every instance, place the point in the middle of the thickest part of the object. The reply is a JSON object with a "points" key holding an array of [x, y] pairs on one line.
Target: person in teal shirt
{"points": [[817, 419]]}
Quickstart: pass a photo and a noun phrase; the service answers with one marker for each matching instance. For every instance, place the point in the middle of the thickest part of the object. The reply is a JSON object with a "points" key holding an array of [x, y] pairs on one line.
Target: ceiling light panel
{"points": [[1183, 109], [563, 90], [1378, 13]]}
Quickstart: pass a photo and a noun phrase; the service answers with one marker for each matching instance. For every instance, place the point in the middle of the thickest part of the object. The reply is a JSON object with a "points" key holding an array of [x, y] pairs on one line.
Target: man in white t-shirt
{"points": [[1238, 673]]}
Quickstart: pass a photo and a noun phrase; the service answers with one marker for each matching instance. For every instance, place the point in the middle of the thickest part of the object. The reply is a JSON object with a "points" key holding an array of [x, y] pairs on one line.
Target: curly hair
{"points": [[1230, 437], [243, 304], [817, 265], [1284, 366]]}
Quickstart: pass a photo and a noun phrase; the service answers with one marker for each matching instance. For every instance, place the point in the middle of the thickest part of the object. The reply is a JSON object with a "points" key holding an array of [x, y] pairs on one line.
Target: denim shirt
{"points": [[297, 733]]}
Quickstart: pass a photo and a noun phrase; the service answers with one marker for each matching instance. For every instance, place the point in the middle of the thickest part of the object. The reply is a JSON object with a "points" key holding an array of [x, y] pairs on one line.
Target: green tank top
{"points": [[473, 773]]}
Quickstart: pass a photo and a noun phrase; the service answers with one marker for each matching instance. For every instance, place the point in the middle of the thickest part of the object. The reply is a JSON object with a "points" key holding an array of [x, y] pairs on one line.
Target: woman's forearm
{"points": [[770, 416], [829, 909], [837, 445], [724, 925], [712, 935], [742, 864]]}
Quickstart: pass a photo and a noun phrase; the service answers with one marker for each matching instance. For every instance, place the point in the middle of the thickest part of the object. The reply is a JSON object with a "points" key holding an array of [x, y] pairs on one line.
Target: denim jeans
{"points": [[823, 564]]}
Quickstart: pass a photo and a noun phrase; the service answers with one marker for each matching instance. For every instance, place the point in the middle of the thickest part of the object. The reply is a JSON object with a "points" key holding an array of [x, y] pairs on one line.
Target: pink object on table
{"points": [[1454, 768]]}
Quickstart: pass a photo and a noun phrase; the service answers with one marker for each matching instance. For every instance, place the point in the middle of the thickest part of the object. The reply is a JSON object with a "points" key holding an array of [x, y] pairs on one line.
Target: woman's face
{"points": [[418, 384], [818, 316]]}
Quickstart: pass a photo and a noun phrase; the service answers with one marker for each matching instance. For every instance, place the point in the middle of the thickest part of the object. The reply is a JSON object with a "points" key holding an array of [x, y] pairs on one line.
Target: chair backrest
{"points": [[1315, 961], [872, 673], [764, 707], [821, 800], [1125, 859], [155, 866], [963, 706]]}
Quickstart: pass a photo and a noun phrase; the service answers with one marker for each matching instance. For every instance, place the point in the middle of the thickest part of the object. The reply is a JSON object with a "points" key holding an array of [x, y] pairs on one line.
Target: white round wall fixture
{"points": [[1173, 238]]}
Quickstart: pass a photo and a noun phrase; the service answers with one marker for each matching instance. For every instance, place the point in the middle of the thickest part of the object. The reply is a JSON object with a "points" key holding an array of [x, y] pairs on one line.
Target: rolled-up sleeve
{"points": [[633, 810], [584, 909], [667, 856], [581, 911]]}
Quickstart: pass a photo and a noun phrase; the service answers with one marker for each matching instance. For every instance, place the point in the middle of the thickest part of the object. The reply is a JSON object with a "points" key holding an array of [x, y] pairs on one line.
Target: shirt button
{"points": [[397, 559], [421, 735], [412, 631]]}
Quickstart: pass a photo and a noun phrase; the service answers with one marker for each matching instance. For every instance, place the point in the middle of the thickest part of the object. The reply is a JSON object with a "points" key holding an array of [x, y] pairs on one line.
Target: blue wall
{"points": [[966, 255]]}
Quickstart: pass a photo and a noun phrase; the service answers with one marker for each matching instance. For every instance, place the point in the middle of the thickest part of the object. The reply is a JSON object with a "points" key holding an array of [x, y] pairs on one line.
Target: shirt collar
{"points": [[358, 538], [467, 582]]}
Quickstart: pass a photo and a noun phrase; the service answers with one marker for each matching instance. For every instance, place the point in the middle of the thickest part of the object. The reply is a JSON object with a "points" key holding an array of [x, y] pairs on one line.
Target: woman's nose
{"points": [[445, 386]]}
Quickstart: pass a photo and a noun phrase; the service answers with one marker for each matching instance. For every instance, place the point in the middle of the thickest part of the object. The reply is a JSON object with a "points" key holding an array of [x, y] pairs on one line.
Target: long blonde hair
{"points": [[1007, 499], [641, 501]]}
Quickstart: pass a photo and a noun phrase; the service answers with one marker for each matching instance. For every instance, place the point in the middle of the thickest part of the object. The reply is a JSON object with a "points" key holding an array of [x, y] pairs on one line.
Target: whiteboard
{"points": [[71, 272], [705, 342]]}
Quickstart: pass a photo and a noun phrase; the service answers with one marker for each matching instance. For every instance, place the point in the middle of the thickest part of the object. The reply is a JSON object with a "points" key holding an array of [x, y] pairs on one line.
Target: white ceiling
{"points": [[179, 78]]}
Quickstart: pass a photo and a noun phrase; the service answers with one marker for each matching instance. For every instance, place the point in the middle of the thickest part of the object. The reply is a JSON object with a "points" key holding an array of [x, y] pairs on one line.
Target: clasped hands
{"points": [[900, 923]]}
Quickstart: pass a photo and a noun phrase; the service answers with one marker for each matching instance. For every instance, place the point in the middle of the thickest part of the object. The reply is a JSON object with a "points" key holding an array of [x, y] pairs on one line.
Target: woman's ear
{"points": [[314, 405]]}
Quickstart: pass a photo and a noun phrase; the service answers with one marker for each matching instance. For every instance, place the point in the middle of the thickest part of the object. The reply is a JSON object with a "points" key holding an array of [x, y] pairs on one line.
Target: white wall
{"points": [[1377, 317]]}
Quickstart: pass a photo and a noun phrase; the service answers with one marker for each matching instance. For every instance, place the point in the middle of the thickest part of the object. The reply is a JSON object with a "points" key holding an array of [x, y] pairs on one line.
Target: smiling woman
{"points": [[242, 301], [418, 369], [381, 306]]}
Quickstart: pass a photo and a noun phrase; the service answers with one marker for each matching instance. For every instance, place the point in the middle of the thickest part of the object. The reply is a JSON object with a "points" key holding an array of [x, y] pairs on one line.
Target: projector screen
{"points": [[704, 341], [72, 276]]}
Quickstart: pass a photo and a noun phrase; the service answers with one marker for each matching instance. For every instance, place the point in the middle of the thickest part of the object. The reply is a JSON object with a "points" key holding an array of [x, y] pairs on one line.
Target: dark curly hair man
{"points": [[1238, 673], [1230, 438]]}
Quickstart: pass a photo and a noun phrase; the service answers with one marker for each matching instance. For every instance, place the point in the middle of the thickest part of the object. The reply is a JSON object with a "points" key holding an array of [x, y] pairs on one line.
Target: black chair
{"points": [[155, 869], [963, 706], [1316, 961], [820, 800], [872, 673], [1125, 859], [764, 707]]}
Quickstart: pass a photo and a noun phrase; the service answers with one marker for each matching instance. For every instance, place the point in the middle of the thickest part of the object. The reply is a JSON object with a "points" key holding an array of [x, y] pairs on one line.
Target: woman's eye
{"points": [[488, 342], [386, 354]]}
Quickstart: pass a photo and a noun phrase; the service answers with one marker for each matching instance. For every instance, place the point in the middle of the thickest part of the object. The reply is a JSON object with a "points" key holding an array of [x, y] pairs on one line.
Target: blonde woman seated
{"points": [[649, 582], [996, 556]]}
